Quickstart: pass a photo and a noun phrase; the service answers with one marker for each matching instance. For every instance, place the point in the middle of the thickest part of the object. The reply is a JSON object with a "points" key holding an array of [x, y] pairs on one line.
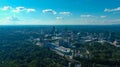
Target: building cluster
{"points": [[62, 42]]}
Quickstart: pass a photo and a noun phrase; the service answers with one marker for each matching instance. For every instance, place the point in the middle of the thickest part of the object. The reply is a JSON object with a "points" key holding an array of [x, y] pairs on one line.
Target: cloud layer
{"points": [[51, 11], [13, 18], [112, 10], [17, 13], [18, 9], [59, 18], [86, 16], [66, 13], [6, 8]]}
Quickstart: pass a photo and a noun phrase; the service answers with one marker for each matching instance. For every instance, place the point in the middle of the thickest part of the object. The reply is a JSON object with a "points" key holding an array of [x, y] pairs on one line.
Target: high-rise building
{"points": [[54, 30], [111, 36]]}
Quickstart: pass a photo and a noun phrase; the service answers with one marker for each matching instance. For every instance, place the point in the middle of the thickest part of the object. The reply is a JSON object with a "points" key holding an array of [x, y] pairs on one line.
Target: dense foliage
{"points": [[26, 55], [17, 51], [99, 54]]}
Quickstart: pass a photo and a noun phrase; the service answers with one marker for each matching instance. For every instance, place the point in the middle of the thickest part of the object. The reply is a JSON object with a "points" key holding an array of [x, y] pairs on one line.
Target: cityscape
{"points": [[78, 46], [59, 33]]}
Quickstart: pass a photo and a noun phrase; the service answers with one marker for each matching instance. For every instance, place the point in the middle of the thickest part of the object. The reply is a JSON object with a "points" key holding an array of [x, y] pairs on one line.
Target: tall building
{"points": [[53, 31], [111, 36], [107, 35]]}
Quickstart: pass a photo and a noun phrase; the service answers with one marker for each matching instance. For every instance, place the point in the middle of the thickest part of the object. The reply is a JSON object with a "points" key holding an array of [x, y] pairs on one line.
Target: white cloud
{"points": [[49, 11], [114, 21], [19, 9], [31, 10], [66, 13], [112, 10], [103, 16], [6, 8], [12, 18], [59, 18], [86, 16], [92, 16]]}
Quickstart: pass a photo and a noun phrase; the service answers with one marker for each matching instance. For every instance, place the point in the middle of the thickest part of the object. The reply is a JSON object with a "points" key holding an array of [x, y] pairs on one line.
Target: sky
{"points": [[59, 12]]}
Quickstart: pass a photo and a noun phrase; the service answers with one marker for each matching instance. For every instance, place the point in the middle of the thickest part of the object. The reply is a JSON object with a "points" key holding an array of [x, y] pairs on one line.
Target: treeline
{"points": [[101, 54], [25, 54]]}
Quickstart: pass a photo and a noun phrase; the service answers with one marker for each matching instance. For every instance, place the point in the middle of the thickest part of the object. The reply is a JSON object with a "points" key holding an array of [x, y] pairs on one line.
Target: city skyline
{"points": [[59, 12]]}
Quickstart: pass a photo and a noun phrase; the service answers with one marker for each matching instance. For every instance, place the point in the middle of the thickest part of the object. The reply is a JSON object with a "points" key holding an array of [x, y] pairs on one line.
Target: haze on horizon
{"points": [[59, 12]]}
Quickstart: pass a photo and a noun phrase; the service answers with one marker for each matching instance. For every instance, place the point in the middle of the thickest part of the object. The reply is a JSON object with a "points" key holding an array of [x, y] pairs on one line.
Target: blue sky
{"points": [[59, 12]]}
